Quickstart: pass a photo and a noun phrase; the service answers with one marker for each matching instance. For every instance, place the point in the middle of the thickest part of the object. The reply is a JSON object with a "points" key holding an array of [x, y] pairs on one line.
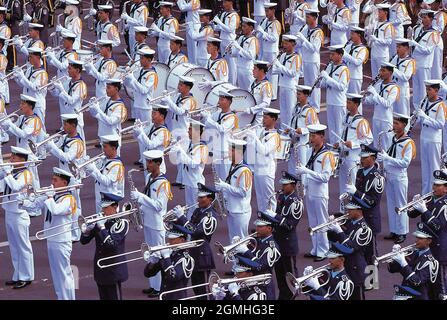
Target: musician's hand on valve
{"points": [[138, 130], [420, 206], [400, 259], [88, 228], [335, 227], [51, 55], [59, 28], [396, 248], [233, 288], [101, 224], [205, 114], [218, 292], [324, 74], [308, 270], [124, 15], [178, 211], [312, 283], [50, 193], [241, 249], [221, 185], [51, 145], [92, 12], [372, 38], [235, 239], [59, 86], [6, 124]]}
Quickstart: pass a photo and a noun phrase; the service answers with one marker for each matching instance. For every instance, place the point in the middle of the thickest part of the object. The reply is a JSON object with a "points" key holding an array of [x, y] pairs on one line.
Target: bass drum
{"points": [[241, 102], [199, 74]]}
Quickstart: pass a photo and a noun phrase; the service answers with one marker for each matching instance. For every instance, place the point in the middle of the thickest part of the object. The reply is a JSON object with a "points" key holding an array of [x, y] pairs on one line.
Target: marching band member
{"points": [[261, 89], [106, 30], [355, 234], [431, 114], [201, 225], [245, 49], [17, 220], [38, 12], [63, 56], [216, 64], [72, 22], [297, 18], [34, 40], [110, 236], [335, 78], [222, 123], [381, 38], [309, 42], [153, 203], [13, 16], [59, 209], [288, 213], [237, 190], [176, 56], [340, 286], [396, 161], [155, 136], [200, 36], [431, 213], [405, 68], [227, 23], [383, 95], [354, 6], [262, 147], [315, 176], [141, 34], [4, 137], [72, 93], [287, 66], [398, 17], [439, 23], [4, 85], [112, 113], [137, 17], [102, 69], [303, 116], [191, 7], [356, 131], [109, 177], [5, 30], [164, 28], [367, 191], [420, 269], [355, 55], [339, 23], [175, 266], [268, 32], [424, 43]]}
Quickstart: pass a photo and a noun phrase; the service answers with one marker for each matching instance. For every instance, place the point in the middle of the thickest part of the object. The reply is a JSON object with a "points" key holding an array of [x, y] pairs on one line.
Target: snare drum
{"points": [[189, 70], [284, 151]]}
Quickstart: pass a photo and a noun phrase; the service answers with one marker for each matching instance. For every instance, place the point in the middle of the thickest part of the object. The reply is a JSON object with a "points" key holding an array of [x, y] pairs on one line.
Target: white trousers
{"points": [[163, 52], [231, 61], [402, 105], [430, 161], [436, 69], [238, 224], [311, 71], [419, 91], [190, 199], [376, 62], [244, 78], [379, 126], [317, 213], [347, 164], [265, 187], [396, 188], [336, 114], [154, 238], [59, 257], [191, 49], [143, 115], [287, 103]]}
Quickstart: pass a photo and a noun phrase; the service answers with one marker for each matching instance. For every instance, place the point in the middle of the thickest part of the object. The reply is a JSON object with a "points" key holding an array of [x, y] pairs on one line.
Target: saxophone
{"points": [[300, 185], [344, 196], [221, 202]]}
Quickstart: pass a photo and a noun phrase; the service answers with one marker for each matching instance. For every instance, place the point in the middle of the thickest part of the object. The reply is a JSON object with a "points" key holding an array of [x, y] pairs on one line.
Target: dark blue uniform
{"points": [[175, 273], [288, 212], [202, 225], [358, 236], [109, 241], [339, 287], [421, 273], [251, 293]]}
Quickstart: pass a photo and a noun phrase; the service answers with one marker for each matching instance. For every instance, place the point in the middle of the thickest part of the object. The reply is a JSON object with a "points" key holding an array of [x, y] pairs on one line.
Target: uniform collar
{"points": [[421, 252], [367, 170], [267, 238]]}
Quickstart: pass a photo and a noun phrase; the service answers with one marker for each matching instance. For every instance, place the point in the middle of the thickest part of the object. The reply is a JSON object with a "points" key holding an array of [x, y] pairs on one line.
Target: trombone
{"points": [[92, 101], [228, 251], [33, 147], [164, 94], [170, 216], [213, 279], [10, 116], [426, 197], [387, 258], [324, 226], [77, 170], [41, 191], [296, 284], [145, 251]]}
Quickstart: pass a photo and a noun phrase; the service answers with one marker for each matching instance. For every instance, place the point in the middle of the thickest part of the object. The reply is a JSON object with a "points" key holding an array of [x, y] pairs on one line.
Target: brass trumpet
{"points": [[12, 74], [92, 101], [296, 284], [50, 85], [24, 38], [387, 258], [130, 128], [323, 227], [170, 216], [164, 94], [78, 170], [228, 251], [426, 197], [10, 116], [33, 147]]}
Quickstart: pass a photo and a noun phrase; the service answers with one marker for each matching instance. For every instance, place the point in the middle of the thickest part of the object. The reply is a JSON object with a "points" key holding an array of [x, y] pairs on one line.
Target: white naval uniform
{"points": [[153, 204], [310, 45], [4, 136], [402, 152], [237, 196], [26, 128], [4, 84], [74, 24], [380, 47], [405, 69], [322, 164], [154, 137], [5, 32], [32, 80], [336, 87], [302, 117], [288, 68], [137, 46], [259, 10], [102, 70], [228, 26], [298, 17], [137, 17], [423, 53], [443, 92], [200, 37], [60, 61], [431, 139], [357, 130], [175, 59], [261, 151], [108, 31], [218, 68], [354, 6], [355, 57], [17, 223], [191, 7], [340, 26], [398, 17], [384, 102], [110, 117], [193, 162], [109, 178], [262, 92], [439, 23], [169, 27], [220, 125], [31, 43], [245, 53], [59, 211]]}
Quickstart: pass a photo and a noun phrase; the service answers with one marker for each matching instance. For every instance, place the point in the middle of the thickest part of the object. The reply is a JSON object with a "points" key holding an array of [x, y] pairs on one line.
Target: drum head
{"points": [[162, 73], [242, 98]]}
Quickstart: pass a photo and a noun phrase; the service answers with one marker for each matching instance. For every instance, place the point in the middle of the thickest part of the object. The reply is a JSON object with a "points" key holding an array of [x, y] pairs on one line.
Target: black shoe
{"points": [[137, 163], [148, 291], [131, 120], [176, 184], [400, 238], [391, 236], [318, 259], [21, 284], [309, 255], [10, 283], [154, 294], [98, 146]]}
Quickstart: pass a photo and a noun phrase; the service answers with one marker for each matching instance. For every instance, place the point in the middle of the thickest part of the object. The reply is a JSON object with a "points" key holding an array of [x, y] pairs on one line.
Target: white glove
{"points": [[241, 249], [312, 283], [101, 224], [382, 156], [218, 292], [59, 86], [205, 114], [396, 248], [178, 211], [351, 189], [89, 227], [413, 43], [92, 12], [221, 185], [51, 55], [94, 109], [372, 38], [324, 74], [233, 288], [137, 131], [166, 253], [155, 28], [336, 227], [18, 42], [420, 206], [27, 17], [235, 239], [153, 258], [135, 195], [217, 20], [90, 167], [50, 193], [7, 169], [308, 270], [301, 169], [59, 28], [6, 123], [372, 90], [124, 16], [270, 213], [400, 259], [300, 36], [18, 72], [89, 66], [176, 149]]}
